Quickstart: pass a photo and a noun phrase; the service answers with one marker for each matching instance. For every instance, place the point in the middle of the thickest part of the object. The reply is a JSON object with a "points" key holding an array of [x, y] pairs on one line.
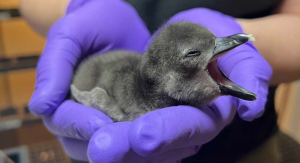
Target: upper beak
{"points": [[223, 45]]}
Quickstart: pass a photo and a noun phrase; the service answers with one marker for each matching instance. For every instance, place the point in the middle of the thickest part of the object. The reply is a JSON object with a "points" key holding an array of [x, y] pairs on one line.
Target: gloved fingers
{"points": [[74, 120], [55, 68], [123, 29], [223, 109], [110, 145], [77, 35], [248, 69], [54, 75], [75, 148], [175, 127]]}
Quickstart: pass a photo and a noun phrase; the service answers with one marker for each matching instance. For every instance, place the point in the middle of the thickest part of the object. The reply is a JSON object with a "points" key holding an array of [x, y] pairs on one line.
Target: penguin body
{"points": [[107, 82], [178, 68]]}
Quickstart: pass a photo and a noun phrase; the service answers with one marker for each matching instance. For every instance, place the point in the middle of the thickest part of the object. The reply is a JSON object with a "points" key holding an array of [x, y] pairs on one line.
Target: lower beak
{"points": [[232, 89], [227, 87]]}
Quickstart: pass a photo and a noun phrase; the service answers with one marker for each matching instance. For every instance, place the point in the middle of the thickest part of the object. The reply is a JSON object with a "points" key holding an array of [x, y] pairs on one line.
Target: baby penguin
{"points": [[178, 68]]}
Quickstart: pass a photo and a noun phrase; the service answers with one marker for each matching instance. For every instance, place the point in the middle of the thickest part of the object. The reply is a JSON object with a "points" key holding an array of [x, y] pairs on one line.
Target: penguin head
{"points": [[182, 59]]}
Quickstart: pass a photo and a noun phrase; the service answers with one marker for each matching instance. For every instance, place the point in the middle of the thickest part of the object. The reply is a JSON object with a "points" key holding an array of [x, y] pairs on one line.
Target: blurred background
{"points": [[23, 137]]}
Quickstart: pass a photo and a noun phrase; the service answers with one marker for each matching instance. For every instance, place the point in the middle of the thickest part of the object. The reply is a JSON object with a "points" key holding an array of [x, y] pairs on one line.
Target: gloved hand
{"points": [[89, 26], [170, 134]]}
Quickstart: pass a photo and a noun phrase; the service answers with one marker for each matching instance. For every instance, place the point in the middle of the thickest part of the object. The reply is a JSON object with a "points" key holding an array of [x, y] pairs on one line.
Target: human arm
{"points": [[278, 40], [41, 15]]}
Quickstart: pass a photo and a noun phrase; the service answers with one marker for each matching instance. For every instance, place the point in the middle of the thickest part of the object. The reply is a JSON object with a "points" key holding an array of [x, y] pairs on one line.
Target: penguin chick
{"points": [[178, 68]]}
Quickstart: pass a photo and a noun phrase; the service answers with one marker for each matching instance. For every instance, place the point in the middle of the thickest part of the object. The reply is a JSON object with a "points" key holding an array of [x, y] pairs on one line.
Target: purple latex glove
{"points": [[89, 26], [97, 26], [170, 134]]}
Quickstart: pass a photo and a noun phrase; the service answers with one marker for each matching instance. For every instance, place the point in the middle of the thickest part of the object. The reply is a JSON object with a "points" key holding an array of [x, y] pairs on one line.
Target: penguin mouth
{"points": [[226, 86]]}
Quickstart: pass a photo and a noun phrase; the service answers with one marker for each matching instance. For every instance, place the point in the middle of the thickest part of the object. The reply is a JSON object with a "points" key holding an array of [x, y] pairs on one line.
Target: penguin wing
{"points": [[99, 99], [95, 98]]}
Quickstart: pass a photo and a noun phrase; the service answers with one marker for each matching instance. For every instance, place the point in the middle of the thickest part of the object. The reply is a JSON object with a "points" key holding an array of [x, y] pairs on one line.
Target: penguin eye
{"points": [[193, 53]]}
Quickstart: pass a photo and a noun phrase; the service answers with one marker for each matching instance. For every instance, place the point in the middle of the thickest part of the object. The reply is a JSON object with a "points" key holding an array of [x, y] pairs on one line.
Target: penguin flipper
{"points": [[99, 99]]}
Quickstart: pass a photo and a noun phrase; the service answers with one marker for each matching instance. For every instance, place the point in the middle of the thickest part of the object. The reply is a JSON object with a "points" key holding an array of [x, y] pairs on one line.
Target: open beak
{"points": [[227, 87]]}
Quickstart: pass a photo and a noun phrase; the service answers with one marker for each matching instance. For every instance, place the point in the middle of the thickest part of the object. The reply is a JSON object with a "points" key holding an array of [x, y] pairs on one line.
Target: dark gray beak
{"points": [[223, 45]]}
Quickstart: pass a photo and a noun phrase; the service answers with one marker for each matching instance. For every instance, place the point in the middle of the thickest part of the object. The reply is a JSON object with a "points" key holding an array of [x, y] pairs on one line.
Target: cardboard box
{"points": [[4, 91], [21, 86], [9, 4], [19, 40]]}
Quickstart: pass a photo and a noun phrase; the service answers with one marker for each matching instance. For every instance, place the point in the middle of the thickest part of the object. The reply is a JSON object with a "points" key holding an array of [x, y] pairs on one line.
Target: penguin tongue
{"points": [[226, 86]]}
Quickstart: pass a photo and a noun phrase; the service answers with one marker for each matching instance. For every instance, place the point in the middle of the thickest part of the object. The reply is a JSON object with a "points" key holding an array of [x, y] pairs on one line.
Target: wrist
{"points": [[245, 25], [64, 6], [74, 5], [36, 13]]}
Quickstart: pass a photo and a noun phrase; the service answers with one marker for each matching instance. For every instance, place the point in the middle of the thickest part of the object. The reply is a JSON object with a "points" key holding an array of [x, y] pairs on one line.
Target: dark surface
{"points": [[288, 148], [240, 137], [156, 12]]}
